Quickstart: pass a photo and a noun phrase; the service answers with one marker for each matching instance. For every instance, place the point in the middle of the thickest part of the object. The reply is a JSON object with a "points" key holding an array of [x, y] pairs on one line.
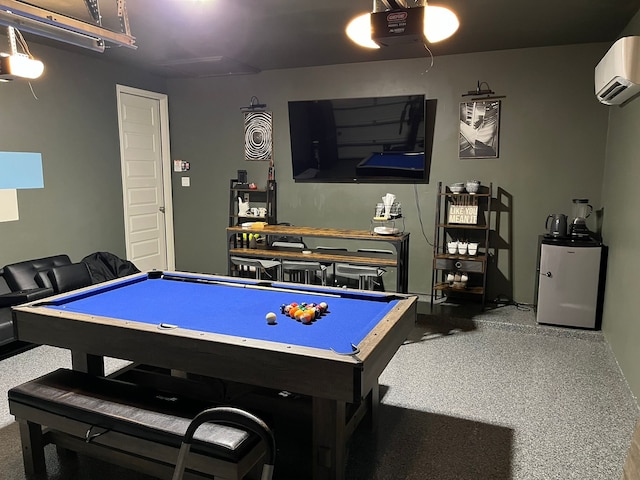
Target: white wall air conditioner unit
{"points": [[617, 76]]}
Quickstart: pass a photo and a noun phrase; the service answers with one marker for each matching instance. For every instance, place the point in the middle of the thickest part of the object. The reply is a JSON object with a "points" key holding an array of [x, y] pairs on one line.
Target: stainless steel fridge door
{"points": [[568, 285]]}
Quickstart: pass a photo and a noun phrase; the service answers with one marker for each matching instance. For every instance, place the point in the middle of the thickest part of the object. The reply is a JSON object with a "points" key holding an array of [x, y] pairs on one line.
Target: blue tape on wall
{"points": [[21, 170]]}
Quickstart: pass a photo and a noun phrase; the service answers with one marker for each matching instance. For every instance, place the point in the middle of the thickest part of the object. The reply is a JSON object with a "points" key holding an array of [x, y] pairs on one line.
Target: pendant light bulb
{"points": [[439, 23], [359, 30]]}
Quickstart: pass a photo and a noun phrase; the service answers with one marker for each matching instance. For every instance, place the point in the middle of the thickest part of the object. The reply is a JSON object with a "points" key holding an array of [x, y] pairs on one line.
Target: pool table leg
{"points": [[84, 362], [329, 439], [374, 407]]}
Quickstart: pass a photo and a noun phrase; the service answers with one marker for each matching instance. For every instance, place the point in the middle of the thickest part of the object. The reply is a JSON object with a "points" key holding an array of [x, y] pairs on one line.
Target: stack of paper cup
{"points": [[388, 200]]}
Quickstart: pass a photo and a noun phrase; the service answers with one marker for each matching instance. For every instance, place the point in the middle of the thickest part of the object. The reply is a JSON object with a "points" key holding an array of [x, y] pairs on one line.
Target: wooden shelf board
{"points": [[463, 225], [448, 288], [471, 258]]}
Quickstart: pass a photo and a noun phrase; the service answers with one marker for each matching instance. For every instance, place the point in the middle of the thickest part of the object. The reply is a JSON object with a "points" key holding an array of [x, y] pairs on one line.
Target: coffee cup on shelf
{"points": [[473, 248], [462, 248], [452, 247]]}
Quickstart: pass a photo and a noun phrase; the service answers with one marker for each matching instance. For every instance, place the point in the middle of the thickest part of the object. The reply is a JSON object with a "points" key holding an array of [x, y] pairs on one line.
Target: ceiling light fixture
{"points": [[18, 65], [395, 25]]}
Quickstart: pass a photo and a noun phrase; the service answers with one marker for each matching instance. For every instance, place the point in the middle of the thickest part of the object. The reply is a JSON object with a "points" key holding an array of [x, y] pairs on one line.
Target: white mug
{"points": [[254, 211], [473, 248], [462, 248], [262, 212], [452, 247]]}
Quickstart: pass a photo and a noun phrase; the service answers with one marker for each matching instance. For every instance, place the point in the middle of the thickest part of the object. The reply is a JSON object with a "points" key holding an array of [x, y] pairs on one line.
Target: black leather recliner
{"points": [[31, 274], [6, 323], [34, 279]]}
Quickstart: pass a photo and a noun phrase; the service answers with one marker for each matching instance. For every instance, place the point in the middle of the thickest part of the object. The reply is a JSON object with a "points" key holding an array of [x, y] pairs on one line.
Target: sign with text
{"points": [[466, 214]]}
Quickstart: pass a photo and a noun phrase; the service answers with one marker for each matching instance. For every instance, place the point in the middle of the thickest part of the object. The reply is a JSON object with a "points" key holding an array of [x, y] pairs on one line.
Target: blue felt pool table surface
{"points": [[235, 308]]}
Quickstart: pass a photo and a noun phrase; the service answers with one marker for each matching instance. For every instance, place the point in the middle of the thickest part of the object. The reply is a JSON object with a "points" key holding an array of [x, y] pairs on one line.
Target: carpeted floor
{"points": [[468, 397]]}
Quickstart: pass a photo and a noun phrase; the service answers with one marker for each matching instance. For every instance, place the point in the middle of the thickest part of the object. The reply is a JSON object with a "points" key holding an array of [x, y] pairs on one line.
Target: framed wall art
{"points": [[479, 129], [258, 139]]}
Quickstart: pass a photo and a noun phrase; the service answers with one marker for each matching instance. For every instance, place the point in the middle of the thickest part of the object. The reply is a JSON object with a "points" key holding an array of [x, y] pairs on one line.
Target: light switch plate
{"points": [[186, 181]]}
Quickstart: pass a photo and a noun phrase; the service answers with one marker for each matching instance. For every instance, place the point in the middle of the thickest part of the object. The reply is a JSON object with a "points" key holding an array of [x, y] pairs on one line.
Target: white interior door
{"points": [[146, 178]]}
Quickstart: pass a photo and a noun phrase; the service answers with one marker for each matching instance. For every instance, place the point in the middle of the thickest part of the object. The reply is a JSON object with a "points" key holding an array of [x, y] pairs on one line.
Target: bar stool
{"points": [[365, 274], [257, 265], [332, 276], [381, 251], [368, 276], [306, 268]]}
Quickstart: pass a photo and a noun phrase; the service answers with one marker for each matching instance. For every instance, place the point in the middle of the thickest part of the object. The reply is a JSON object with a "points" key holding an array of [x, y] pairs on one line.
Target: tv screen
{"points": [[362, 140]]}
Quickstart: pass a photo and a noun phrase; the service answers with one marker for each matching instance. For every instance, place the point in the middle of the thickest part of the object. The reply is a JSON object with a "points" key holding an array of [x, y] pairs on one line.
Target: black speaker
{"points": [[242, 176]]}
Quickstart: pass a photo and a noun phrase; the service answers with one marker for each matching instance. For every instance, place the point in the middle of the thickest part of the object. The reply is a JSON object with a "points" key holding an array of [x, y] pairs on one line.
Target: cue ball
{"points": [[271, 318]]}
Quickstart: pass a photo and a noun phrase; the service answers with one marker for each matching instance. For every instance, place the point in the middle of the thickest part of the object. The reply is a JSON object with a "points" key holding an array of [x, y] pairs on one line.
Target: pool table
{"points": [[215, 326]]}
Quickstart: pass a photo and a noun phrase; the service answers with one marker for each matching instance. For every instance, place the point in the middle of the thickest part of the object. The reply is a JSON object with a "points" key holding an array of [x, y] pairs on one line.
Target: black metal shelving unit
{"points": [[258, 197], [446, 230]]}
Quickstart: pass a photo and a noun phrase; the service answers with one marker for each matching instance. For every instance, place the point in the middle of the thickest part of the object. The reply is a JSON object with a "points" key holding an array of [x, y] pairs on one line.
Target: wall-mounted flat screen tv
{"points": [[362, 140]]}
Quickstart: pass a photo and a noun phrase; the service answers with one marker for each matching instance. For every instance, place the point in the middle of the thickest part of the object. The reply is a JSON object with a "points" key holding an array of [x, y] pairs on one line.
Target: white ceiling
{"points": [[216, 37]]}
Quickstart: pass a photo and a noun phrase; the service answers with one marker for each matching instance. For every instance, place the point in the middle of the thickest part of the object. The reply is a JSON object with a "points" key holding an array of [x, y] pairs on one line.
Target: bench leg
{"points": [[32, 448]]}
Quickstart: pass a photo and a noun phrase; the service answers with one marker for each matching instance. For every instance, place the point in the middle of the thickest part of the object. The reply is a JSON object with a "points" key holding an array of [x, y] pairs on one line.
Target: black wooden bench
{"points": [[127, 424]]}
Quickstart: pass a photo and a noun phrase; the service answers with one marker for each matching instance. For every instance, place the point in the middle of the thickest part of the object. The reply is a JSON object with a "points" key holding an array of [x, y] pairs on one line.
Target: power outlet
{"points": [[246, 198]]}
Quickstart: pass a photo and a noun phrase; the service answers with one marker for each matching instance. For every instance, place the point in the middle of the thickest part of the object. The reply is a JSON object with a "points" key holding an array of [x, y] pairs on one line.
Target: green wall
{"points": [[554, 138], [552, 145], [73, 123], [621, 200]]}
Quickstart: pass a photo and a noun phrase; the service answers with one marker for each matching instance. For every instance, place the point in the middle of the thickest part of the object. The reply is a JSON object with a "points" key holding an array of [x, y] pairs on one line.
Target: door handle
{"points": [[161, 209], [548, 274]]}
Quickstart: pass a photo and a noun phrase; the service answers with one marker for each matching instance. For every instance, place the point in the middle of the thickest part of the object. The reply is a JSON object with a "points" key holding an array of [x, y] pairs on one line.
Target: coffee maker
{"points": [[581, 210]]}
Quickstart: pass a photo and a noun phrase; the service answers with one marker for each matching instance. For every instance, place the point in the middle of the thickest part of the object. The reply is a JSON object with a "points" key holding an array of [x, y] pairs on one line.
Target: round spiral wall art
{"points": [[258, 136]]}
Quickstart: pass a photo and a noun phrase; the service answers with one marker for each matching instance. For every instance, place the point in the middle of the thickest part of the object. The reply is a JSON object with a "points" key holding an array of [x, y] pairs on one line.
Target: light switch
{"points": [[186, 181]]}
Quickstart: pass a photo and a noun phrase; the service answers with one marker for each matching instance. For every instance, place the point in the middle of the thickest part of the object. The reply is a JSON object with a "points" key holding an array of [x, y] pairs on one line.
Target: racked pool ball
{"points": [[271, 318], [307, 317]]}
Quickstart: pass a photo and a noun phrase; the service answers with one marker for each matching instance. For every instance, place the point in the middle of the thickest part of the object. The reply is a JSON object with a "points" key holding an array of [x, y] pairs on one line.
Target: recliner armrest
{"points": [[23, 296]]}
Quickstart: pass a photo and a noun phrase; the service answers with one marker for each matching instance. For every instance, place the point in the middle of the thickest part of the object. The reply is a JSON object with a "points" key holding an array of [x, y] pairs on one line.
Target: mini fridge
{"points": [[569, 283]]}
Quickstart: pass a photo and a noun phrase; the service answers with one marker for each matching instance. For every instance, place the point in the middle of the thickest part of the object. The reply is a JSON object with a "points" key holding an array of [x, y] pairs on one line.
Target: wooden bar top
{"points": [[324, 256], [295, 231]]}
